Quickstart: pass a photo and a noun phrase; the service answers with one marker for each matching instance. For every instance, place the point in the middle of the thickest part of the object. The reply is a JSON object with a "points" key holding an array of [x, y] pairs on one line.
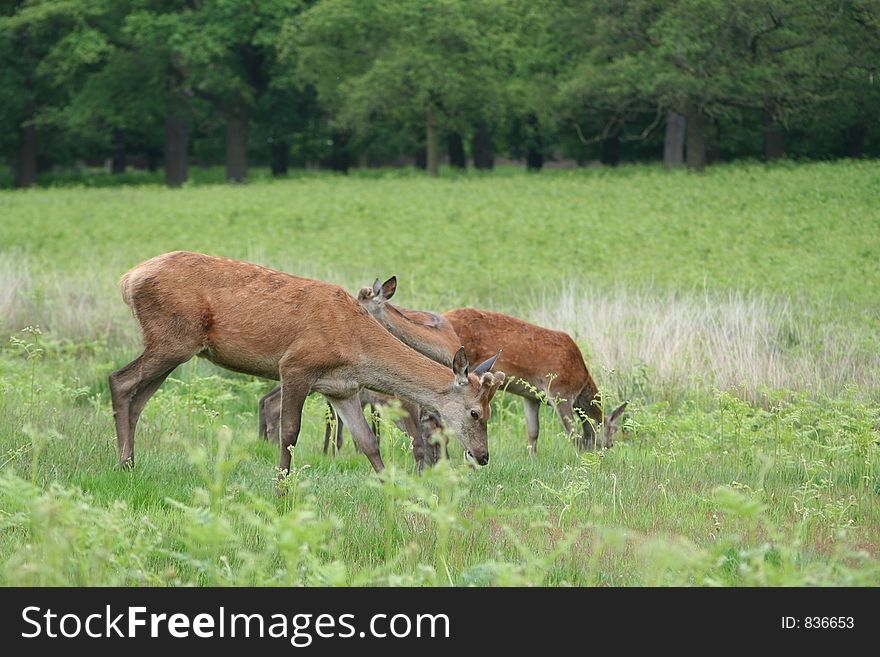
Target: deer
{"points": [[310, 335], [427, 333], [539, 362]]}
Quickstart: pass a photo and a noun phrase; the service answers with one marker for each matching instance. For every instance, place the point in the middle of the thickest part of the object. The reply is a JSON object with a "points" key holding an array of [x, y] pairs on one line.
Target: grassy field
{"points": [[738, 310]]}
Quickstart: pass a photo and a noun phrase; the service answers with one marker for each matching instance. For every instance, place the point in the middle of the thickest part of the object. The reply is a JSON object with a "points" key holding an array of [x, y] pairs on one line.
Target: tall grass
{"points": [[744, 342]]}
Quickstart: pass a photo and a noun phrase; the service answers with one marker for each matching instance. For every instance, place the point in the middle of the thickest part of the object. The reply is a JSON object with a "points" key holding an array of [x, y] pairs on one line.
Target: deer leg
{"points": [[588, 439], [532, 408], [328, 428], [329, 425], [293, 395], [441, 447], [410, 426], [339, 434], [565, 411], [262, 429], [130, 388], [375, 422], [265, 406], [352, 413], [141, 397]]}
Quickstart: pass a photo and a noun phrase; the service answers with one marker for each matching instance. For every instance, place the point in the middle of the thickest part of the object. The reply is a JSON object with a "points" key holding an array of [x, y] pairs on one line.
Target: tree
{"points": [[597, 66], [438, 66], [27, 34], [115, 97], [708, 58], [225, 52], [673, 144]]}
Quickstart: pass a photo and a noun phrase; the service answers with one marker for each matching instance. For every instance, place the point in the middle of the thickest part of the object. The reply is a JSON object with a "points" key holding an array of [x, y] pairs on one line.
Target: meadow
{"points": [[738, 311]]}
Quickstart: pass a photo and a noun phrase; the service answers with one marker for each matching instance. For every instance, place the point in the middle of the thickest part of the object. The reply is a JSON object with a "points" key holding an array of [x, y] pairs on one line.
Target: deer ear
{"points": [[489, 384], [460, 367], [612, 422], [486, 365], [389, 287], [377, 287]]}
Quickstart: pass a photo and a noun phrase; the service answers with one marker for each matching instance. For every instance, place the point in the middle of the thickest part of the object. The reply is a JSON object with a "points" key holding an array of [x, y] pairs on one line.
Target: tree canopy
{"points": [[334, 82]]}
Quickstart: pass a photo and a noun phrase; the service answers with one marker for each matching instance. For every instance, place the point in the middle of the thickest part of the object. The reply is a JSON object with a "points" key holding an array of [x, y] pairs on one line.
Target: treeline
{"points": [[341, 83]]}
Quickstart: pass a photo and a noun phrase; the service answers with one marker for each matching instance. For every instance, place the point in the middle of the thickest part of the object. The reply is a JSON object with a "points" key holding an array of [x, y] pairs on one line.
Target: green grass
{"points": [[743, 486]]}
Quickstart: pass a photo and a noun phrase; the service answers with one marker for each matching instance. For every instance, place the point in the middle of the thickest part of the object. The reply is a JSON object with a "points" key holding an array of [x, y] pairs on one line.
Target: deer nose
{"points": [[483, 460]]}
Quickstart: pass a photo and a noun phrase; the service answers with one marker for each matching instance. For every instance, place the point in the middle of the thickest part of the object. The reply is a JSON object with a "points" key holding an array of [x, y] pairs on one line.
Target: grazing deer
{"points": [[548, 361], [311, 335], [425, 332]]}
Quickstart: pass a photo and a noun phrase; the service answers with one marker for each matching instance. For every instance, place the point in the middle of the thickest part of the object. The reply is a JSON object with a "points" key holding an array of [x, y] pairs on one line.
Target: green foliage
{"points": [[327, 80], [757, 499], [399, 60], [704, 488], [787, 229]]}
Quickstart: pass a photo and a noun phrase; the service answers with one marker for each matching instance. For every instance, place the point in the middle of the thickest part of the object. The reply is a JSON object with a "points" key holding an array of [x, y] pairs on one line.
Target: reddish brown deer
{"points": [[425, 332], [311, 335], [547, 361]]}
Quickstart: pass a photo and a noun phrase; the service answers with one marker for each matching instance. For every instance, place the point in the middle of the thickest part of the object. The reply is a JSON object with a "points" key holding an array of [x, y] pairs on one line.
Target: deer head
{"points": [[471, 392], [598, 427], [611, 424], [373, 298]]}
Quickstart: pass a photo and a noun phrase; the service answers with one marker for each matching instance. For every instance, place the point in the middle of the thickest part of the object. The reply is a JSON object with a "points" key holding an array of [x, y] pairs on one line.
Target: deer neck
{"points": [[425, 338], [394, 368]]}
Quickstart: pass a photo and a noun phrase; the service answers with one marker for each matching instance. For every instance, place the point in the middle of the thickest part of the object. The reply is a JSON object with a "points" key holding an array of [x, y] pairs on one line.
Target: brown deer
{"points": [[311, 335], [543, 360], [539, 362], [425, 332]]}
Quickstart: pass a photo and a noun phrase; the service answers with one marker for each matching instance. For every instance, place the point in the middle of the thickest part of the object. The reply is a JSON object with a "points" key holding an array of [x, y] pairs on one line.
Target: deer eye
{"points": [[475, 415]]}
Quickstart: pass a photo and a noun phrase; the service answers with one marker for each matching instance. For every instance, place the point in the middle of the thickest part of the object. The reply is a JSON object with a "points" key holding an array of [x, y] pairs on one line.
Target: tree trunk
{"points": [[481, 145], [611, 151], [339, 155], [774, 138], [535, 145], [455, 145], [713, 148], [855, 139], [236, 144], [696, 139], [432, 155], [421, 159], [534, 159], [176, 149], [120, 160], [279, 152], [673, 145], [26, 167]]}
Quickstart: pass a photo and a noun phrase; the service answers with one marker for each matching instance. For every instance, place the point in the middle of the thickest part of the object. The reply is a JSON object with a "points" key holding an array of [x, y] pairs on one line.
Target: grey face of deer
{"points": [[467, 413], [373, 298], [610, 426]]}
